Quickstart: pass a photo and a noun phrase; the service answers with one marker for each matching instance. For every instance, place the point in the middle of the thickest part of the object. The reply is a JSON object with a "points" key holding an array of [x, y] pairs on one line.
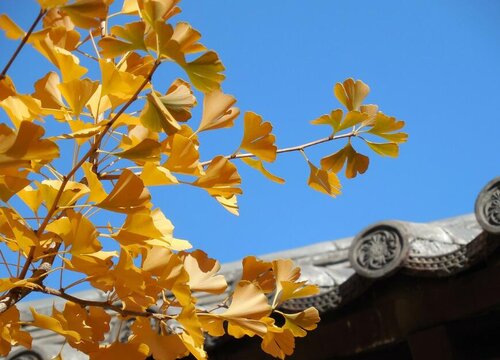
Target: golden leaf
{"points": [[25, 146], [221, 178], [298, 323], [47, 4], [20, 237], [47, 91], [218, 111], [259, 272], [95, 265], [154, 11], [192, 337], [12, 30], [155, 116], [8, 284], [187, 38], [11, 182], [386, 127], [137, 65], [129, 194], [258, 165], [21, 108], [202, 272], [67, 63], [351, 119], [323, 181], [142, 151], [72, 192], [11, 333], [82, 131], [87, 13], [257, 137], [287, 286], [384, 149], [184, 157], [77, 93], [133, 39], [230, 204], [154, 175], [7, 87], [119, 85], [118, 350], [31, 197], [179, 100], [278, 342], [59, 325], [356, 162], [351, 93], [76, 231], [333, 119], [205, 72]]}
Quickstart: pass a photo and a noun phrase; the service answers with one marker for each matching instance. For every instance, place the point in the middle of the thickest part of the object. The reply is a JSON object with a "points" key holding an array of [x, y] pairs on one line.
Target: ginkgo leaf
{"points": [[11, 283], [119, 350], [161, 347], [386, 127], [154, 175], [11, 333], [287, 286], [356, 162], [221, 178], [351, 93], [323, 181], [184, 157], [202, 272], [192, 336], [95, 265], [7, 87], [352, 118], [82, 131], [259, 272], [31, 197], [384, 149], [278, 342], [155, 116], [12, 226], [11, 182], [98, 104], [144, 150], [218, 111], [48, 4], [87, 13], [205, 72], [12, 30], [67, 63], [298, 323], [154, 11], [333, 119], [56, 325], [257, 165], [119, 85], [21, 108], [179, 100], [230, 204], [138, 65], [76, 231], [77, 93], [72, 192], [133, 39], [25, 146], [128, 195], [48, 92], [257, 137], [187, 38]]}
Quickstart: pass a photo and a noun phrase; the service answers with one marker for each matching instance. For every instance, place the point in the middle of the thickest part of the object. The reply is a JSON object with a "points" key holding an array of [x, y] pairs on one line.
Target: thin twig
{"points": [[20, 46]]}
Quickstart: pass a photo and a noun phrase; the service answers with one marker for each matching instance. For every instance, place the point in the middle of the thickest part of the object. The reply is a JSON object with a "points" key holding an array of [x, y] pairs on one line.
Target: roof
{"points": [[345, 269]]}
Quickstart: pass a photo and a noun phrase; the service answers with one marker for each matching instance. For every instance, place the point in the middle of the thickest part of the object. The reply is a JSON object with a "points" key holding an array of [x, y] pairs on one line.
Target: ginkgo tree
{"points": [[128, 136]]}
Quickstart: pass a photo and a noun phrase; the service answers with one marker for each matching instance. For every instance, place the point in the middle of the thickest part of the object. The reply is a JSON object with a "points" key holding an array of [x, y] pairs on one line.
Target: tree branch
{"points": [[20, 46]]}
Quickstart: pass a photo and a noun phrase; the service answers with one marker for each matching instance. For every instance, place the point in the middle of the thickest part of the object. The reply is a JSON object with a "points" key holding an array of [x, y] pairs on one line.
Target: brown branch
{"points": [[16, 294], [103, 304], [289, 149], [20, 46]]}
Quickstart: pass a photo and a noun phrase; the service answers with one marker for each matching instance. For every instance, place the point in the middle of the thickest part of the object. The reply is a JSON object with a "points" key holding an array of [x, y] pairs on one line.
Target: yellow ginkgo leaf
{"points": [[351, 93], [298, 323], [333, 119], [11, 333], [230, 204], [352, 118], [218, 111], [48, 4], [179, 100], [155, 116], [12, 30], [59, 326], [184, 157], [278, 342], [287, 286], [133, 39], [323, 181], [221, 178], [99, 103], [25, 146], [205, 72], [119, 350], [119, 85], [7, 284], [31, 197], [384, 149], [72, 192], [202, 272], [87, 13], [356, 162], [48, 92], [11, 182], [97, 192], [259, 272], [387, 126], [138, 65], [81, 131], [192, 336], [129, 195], [257, 165], [67, 63], [7, 87], [257, 137], [12, 226], [77, 93], [187, 38], [21, 108], [142, 151], [77, 232], [154, 11], [154, 175]]}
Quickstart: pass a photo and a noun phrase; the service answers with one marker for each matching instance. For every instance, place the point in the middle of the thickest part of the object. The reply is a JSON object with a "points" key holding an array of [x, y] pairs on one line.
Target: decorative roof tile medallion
{"points": [[487, 207]]}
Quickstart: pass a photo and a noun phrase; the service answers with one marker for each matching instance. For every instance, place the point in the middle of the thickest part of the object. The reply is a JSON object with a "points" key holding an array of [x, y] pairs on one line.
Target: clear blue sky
{"points": [[433, 63]]}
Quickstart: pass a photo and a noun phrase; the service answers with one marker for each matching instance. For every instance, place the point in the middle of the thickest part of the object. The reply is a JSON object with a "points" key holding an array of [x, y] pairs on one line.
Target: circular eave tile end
{"points": [[487, 208], [379, 249]]}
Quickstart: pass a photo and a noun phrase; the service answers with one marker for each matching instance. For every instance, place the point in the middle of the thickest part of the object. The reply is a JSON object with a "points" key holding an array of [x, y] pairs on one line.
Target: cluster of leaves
{"points": [[129, 136]]}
